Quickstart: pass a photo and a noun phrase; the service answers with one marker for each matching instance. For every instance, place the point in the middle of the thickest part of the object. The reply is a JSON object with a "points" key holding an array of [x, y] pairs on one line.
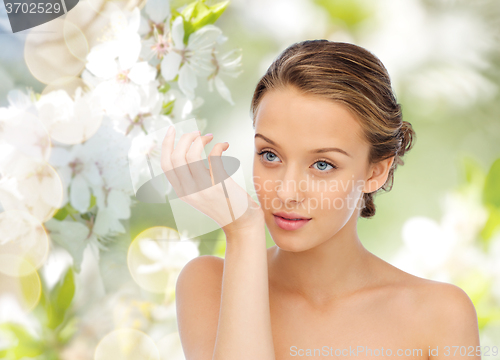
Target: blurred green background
{"points": [[444, 61]]}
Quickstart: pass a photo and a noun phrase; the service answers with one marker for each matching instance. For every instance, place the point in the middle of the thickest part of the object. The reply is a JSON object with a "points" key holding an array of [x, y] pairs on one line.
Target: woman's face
{"points": [[290, 176]]}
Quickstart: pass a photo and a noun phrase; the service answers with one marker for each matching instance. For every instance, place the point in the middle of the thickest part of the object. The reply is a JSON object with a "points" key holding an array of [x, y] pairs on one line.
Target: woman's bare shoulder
{"points": [[443, 301], [202, 270], [439, 307], [426, 291], [425, 298], [197, 297], [446, 314]]}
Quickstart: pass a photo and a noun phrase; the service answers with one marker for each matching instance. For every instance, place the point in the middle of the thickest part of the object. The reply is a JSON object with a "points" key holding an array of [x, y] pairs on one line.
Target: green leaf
{"points": [[40, 310], [187, 12], [30, 287], [491, 199], [61, 214], [63, 292], [164, 88], [491, 191], [92, 201], [220, 245], [214, 12], [197, 14], [68, 330], [61, 297], [167, 107], [350, 13], [26, 344], [473, 172], [200, 12], [3, 354], [490, 227], [175, 13]]}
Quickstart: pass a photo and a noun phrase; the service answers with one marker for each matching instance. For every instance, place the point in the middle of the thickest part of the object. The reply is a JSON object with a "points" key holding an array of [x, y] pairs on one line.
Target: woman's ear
{"points": [[378, 174]]}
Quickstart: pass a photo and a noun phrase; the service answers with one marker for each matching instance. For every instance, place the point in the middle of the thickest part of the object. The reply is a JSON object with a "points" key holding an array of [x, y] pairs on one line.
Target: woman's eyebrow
{"points": [[266, 139], [315, 151]]}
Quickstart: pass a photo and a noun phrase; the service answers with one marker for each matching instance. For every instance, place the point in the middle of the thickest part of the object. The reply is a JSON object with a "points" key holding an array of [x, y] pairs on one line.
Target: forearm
{"points": [[244, 330]]}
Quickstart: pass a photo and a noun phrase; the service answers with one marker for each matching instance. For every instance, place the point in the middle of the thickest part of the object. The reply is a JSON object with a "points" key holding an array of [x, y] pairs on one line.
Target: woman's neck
{"points": [[336, 268]]}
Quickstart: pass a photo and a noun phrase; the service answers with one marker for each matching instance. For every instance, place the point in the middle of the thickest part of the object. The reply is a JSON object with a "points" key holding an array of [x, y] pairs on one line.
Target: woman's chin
{"points": [[290, 244]]}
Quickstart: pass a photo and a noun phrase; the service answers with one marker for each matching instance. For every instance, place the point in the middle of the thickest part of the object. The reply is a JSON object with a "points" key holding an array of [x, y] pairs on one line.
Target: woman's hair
{"points": [[353, 76]]}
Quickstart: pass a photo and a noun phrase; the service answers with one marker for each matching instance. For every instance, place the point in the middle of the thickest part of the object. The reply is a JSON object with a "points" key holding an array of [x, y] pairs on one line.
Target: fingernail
{"points": [[209, 134], [170, 129]]}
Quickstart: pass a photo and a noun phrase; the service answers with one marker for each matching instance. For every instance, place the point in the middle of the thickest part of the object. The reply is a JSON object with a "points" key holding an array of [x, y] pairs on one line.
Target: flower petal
{"points": [[102, 222], [59, 156], [178, 32], [130, 48], [170, 65], [101, 59], [149, 268], [158, 10], [134, 20], [223, 90], [187, 81], [204, 37], [80, 194], [71, 235], [151, 249], [142, 73], [119, 204]]}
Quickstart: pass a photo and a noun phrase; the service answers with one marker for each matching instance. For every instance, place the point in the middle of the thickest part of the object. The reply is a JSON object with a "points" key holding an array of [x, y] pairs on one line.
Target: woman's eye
{"points": [[269, 156], [323, 165]]}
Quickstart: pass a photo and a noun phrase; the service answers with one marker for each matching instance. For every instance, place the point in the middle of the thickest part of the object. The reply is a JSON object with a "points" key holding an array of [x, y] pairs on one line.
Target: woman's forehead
{"points": [[287, 114]]}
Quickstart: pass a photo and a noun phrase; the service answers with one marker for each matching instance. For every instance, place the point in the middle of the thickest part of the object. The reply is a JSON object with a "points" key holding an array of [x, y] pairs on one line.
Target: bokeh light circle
{"points": [[93, 18], [33, 186], [27, 289], [147, 259], [70, 121], [126, 344], [22, 239], [47, 54], [27, 135], [75, 40], [68, 84]]}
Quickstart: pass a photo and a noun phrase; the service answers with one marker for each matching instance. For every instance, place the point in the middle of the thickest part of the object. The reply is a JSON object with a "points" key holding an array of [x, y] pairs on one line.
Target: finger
{"points": [[180, 164], [201, 174], [194, 153], [218, 172], [215, 161], [167, 148]]}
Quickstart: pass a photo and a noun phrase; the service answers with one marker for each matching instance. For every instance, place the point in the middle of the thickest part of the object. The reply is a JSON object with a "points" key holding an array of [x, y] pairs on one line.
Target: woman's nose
{"points": [[292, 186]]}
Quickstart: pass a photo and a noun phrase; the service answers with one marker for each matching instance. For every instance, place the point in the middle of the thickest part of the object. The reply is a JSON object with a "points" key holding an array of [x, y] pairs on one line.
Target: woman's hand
{"points": [[193, 182]]}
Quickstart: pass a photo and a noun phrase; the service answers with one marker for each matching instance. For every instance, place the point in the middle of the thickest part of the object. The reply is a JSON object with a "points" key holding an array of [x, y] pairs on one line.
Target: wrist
{"points": [[257, 227]]}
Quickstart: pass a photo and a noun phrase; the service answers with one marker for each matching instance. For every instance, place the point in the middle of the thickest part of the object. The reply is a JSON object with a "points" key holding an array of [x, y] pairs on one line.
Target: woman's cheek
{"points": [[339, 194], [262, 190]]}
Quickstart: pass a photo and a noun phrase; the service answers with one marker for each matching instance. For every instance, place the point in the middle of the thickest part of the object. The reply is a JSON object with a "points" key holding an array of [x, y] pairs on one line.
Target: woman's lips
{"points": [[289, 224]]}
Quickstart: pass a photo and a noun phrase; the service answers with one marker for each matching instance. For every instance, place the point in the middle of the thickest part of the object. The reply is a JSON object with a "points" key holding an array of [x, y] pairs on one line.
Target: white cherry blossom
{"points": [[70, 121], [168, 255], [191, 60], [228, 64], [115, 64]]}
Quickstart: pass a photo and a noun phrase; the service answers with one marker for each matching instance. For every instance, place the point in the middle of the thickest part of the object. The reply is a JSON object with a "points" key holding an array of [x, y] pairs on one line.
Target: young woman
{"points": [[328, 136]]}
